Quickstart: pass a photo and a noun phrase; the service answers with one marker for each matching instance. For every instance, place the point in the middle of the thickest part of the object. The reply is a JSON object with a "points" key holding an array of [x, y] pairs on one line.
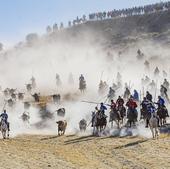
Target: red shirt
{"points": [[131, 104]]}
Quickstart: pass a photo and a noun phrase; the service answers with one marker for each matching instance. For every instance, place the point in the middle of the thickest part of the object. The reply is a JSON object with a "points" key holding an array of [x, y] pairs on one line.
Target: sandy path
{"points": [[42, 152]]}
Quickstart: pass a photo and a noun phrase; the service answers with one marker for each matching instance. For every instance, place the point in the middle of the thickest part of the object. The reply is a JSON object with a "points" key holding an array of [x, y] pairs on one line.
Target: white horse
{"points": [[153, 123], [4, 129]]}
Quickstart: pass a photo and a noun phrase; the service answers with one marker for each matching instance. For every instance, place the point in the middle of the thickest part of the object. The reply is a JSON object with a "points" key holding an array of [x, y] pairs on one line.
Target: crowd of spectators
{"points": [[141, 10]]}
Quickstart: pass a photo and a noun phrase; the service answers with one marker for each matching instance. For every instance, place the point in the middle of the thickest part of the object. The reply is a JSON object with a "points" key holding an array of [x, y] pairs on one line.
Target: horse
{"points": [[131, 116], [4, 129], [162, 114], [146, 116], [122, 111], [115, 116], [61, 127], [82, 125], [101, 122], [82, 86], [153, 123]]}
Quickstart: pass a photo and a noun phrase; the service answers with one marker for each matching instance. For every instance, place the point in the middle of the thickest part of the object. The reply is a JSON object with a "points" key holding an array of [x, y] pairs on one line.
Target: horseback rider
{"points": [[152, 85], [113, 105], [58, 80], [148, 96], [136, 95], [166, 84], [160, 102], [161, 105], [119, 102], [156, 71], [82, 83], [163, 91], [144, 105], [147, 64], [126, 93], [4, 116], [81, 78], [111, 93], [119, 78], [132, 105], [95, 115], [114, 110], [164, 73], [101, 87], [151, 111], [102, 109], [33, 82]]}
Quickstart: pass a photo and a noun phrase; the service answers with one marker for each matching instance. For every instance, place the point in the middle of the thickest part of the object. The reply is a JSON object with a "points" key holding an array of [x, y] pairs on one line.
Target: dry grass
{"points": [[86, 152]]}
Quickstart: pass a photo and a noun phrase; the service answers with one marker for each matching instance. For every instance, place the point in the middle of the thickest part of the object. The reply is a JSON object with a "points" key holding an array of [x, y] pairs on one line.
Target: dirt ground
{"points": [[84, 152]]}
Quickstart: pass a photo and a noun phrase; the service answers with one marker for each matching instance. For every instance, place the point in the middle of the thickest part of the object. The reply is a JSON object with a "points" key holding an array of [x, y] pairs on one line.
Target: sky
{"points": [[20, 17]]}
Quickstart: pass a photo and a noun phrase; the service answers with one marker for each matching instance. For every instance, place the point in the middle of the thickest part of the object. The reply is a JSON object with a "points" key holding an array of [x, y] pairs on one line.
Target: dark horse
{"points": [[162, 113], [82, 86], [132, 115], [101, 122], [115, 116], [122, 111], [145, 115]]}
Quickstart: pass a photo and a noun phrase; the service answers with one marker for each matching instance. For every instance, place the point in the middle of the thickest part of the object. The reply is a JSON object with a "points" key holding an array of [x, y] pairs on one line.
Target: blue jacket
{"points": [[136, 95], [161, 102], [103, 108]]}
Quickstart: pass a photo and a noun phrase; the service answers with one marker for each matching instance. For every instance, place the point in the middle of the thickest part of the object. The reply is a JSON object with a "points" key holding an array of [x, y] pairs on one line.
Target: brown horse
{"points": [[116, 117], [162, 114], [132, 117], [101, 122]]}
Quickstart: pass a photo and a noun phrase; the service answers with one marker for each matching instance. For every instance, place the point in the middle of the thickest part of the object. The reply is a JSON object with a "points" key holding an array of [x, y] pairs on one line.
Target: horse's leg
{"points": [[152, 132], [4, 135], [118, 122], [164, 120], [157, 132], [111, 124], [93, 130], [130, 123], [161, 121], [122, 121]]}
